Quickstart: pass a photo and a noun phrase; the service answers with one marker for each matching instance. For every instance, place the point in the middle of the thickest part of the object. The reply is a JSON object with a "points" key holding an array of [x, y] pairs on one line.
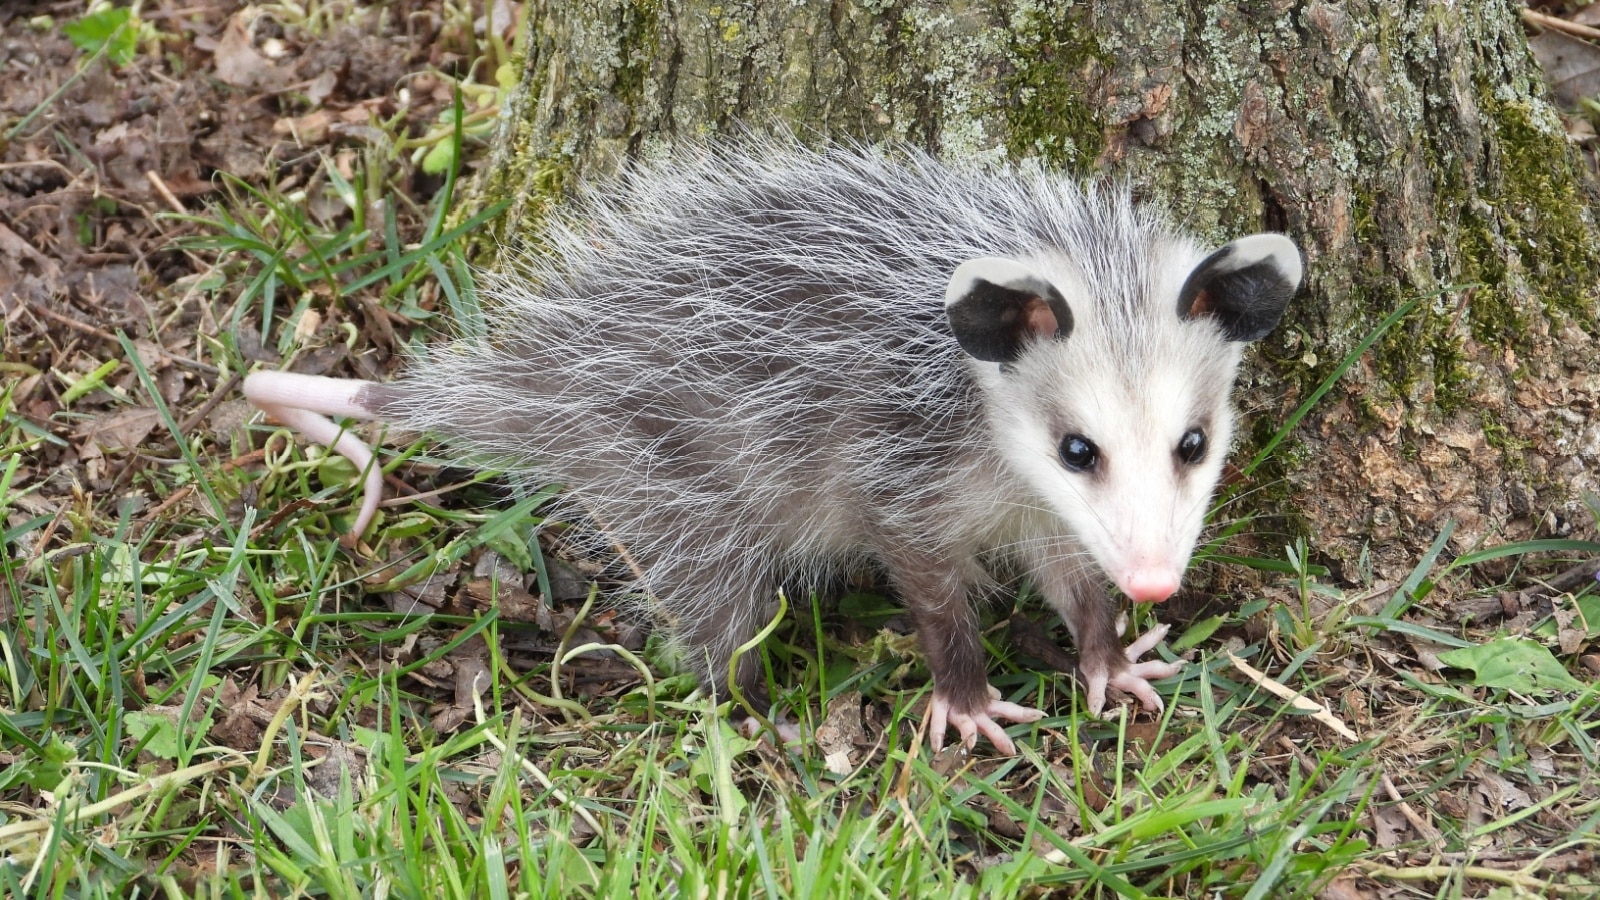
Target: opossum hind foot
{"points": [[941, 715], [1135, 678]]}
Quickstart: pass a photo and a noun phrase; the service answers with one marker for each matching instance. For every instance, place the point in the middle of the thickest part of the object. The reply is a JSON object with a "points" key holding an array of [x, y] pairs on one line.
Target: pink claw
{"points": [[941, 715], [1136, 678], [750, 727]]}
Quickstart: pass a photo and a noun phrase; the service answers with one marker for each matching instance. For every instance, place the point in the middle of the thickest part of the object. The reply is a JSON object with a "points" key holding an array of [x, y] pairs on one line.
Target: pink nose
{"points": [[1148, 586]]}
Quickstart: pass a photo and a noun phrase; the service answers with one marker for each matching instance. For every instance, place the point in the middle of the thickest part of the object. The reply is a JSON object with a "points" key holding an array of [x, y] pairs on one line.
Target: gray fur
{"points": [[739, 365]]}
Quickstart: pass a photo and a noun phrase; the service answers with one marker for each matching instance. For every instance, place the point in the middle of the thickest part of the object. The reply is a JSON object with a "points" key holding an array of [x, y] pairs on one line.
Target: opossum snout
{"points": [[1148, 585]]}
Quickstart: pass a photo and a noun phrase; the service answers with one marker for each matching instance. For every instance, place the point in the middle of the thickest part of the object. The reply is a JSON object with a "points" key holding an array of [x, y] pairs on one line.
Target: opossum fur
{"points": [[747, 365]]}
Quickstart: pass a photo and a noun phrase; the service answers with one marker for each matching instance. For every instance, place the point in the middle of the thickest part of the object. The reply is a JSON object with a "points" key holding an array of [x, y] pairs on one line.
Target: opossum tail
{"points": [[304, 403]]}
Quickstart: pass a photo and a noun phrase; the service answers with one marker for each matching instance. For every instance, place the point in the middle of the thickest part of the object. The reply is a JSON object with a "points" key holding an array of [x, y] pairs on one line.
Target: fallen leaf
{"points": [[122, 430], [13, 248], [472, 677], [1571, 66], [238, 63], [1299, 701], [1513, 664], [116, 134], [311, 128], [1570, 630], [842, 733], [1499, 793], [1344, 888], [339, 762], [1389, 827], [320, 87]]}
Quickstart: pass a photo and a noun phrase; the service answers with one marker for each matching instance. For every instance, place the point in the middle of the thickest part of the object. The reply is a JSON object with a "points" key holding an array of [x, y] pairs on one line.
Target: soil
{"points": [[100, 174]]}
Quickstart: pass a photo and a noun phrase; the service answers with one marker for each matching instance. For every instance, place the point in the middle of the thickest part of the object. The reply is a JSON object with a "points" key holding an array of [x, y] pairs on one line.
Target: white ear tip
{"points": [[993, 269], [1282, 252]]}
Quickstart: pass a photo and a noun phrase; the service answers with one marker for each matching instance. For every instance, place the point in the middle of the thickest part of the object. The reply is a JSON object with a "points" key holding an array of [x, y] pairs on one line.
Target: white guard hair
{"points": [[1131, 379], [993, 269], [1273, 248]]}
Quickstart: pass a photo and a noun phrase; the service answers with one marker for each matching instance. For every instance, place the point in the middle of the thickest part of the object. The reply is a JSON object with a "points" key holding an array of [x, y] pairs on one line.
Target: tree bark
{"points": [[1408, 148]]}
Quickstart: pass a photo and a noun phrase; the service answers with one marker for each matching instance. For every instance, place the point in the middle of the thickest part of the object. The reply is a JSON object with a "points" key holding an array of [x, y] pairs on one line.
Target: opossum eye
{"points": [[1192, 446], [1078, 453]]}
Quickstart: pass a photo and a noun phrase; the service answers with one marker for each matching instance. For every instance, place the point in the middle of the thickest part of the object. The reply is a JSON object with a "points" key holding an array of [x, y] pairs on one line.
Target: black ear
{"points": [[1245, 285], [997, 306]]}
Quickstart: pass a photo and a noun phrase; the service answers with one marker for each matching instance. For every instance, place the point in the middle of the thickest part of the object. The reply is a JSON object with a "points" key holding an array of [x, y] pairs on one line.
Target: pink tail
{"points": [[304, 402]]}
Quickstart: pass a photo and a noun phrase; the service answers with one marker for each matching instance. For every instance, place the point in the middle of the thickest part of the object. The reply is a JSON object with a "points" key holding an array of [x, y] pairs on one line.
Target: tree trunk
{"points": [[1410, 151]]}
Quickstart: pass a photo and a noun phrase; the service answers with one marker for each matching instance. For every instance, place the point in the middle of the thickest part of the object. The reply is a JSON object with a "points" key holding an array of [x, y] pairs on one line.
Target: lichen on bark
{"points": [[1407, 146]]}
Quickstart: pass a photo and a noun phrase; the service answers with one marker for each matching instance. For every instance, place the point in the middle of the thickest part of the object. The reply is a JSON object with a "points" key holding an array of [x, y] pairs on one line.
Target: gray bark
{"points": [[1408, 147]]}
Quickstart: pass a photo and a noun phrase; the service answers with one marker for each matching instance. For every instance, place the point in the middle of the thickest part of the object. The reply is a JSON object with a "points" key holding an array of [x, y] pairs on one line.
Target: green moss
{"points": [[1452, 382], [642, 37], [1493, 316], [1513, 449], [1394, 356], [1269, 486], [1529, 251], [1363, 218], [1542, 210], [1046, 115], [1533, 238]]}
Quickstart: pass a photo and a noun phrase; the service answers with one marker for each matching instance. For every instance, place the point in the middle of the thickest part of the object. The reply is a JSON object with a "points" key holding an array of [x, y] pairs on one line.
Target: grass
{"points": [[211, 697]]}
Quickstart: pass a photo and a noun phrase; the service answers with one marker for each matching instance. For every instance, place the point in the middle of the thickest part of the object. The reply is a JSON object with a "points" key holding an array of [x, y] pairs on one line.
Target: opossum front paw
{"points": [[1133, 676], [941, 715], [751, 727]]}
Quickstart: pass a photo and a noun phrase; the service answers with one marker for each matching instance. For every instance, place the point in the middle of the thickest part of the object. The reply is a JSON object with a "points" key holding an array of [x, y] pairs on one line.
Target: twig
{"points": [[1575, 577], [104, 335], [164, 191], [160, 782], [527, 764], [633, 565], [1427, 831], [173, 499], [212, 402], [1555, 24], [1520, 878]]}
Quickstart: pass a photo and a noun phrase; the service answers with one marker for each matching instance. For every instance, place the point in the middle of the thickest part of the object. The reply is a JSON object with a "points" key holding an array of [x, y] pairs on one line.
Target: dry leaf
{"points": [[1344, 889], [842, 733], [338, 760], [1500, 795], [1299, 701], [1571, 631], [311, 128], [1389, 827], [122, 430], [1571, 66], [238, 63]]}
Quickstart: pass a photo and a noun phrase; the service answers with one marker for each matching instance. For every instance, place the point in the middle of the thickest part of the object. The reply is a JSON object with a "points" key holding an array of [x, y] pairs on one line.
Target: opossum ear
{"points": [[996, 306], [1245, 285]]}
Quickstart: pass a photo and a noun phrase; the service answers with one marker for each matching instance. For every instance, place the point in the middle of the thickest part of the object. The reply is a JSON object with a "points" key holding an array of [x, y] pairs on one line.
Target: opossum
{"points": [[751, 365]]}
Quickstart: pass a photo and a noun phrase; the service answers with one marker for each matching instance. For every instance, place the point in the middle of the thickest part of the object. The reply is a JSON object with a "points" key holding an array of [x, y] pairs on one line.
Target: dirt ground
{"points": [[102, 164]]}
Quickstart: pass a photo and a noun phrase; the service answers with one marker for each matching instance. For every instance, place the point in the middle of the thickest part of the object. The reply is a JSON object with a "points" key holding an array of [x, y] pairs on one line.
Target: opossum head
{"points": [[1107, 389]]}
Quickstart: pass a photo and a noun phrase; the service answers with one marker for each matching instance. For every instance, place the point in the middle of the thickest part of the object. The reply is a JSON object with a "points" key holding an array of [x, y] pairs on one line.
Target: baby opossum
{"points": [[745, 364]]}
